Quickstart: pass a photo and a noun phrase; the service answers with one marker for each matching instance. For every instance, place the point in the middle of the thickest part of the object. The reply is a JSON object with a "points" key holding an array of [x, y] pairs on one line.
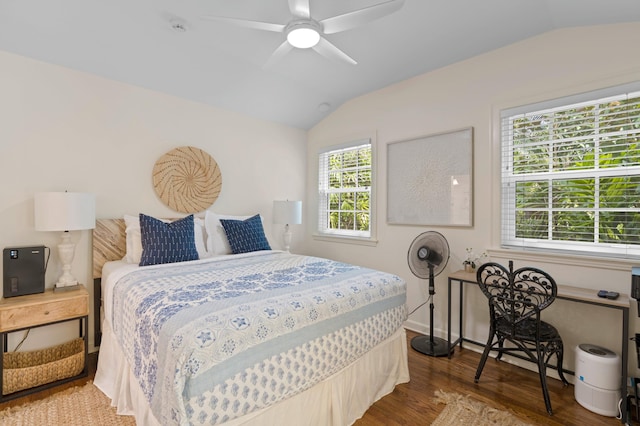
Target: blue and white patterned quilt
{"points": [[212, 341]]}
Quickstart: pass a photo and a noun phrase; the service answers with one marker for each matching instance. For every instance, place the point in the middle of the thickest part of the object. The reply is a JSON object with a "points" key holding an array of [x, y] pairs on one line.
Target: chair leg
{"points": [[560, 355], [485, 355], [500, 347], [542, 372]]}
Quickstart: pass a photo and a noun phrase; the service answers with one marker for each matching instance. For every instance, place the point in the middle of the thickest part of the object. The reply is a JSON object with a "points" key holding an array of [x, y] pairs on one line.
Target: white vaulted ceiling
{"points": [[224, 65]]}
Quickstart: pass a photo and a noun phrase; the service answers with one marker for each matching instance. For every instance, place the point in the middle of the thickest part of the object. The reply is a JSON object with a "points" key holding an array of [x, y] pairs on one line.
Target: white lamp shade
{"points": [[287, 212], [64, 211]]}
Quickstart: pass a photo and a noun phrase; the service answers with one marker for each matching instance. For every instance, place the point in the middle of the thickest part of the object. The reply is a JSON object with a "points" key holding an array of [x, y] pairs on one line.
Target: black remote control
{"points": [[608, 294], [613, 295]]}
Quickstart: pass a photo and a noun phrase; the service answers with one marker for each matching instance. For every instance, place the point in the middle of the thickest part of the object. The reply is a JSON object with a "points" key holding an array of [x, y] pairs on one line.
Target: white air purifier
{"points": [[598, 379]]}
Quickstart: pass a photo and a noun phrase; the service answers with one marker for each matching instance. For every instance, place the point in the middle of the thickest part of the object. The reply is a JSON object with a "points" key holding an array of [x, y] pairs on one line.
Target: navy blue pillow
{"points": [[245, 235], [167, 242]]}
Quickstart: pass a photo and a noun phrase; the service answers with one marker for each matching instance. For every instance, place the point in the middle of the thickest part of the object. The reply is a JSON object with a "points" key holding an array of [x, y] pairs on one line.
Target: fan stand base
{"points": [[439, 347]]}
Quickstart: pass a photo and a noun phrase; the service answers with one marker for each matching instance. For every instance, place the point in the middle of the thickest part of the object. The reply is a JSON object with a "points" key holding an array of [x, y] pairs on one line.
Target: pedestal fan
{"points": [[428, 256]]}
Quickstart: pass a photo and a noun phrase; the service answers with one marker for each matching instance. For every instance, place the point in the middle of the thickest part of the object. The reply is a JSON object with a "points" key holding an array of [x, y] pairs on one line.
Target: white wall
{"points": [[471, 93], [66, 130]]}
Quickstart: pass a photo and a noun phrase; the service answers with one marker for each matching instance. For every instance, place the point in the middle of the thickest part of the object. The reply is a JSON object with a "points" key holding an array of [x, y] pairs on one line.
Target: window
{"points": [[345, 190], [571, 174]]}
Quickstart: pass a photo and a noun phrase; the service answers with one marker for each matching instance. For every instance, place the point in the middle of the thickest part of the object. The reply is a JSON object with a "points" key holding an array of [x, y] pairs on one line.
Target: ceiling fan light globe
{"points": [[303, 38]]}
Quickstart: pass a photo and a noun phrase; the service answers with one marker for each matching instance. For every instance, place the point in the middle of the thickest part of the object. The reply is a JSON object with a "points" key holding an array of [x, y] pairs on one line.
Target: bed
{"points": [[261, 337]]}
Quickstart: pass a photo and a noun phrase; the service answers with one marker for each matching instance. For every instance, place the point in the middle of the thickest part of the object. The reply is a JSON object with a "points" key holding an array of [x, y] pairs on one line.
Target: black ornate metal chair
{"points": [[516, 299]]}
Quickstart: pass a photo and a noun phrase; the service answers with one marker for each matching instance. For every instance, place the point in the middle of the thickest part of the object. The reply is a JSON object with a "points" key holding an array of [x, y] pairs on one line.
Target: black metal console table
{"points": [[573, 294]]}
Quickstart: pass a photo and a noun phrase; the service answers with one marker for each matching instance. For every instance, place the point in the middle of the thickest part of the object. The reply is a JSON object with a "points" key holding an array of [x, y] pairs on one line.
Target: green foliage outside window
{"points": [[582, 187], [349, 190]]}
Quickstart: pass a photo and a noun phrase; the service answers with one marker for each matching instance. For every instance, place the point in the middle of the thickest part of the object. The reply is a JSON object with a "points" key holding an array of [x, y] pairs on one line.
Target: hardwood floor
{"points": [[502, 386]]}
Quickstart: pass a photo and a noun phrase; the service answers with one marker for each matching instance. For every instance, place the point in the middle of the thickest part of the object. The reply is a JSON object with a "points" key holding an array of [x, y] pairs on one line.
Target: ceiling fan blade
{"points": [[282, 50], [300, 8], [359, 17], [325, 48], [256, 25]]}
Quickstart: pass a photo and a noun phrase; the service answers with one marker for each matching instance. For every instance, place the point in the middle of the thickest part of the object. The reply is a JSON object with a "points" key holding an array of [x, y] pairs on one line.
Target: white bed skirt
{"points": [[337, 401]]}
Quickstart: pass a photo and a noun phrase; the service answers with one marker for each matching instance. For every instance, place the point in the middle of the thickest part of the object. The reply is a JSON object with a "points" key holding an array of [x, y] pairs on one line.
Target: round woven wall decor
{"points": [[187, 179]]}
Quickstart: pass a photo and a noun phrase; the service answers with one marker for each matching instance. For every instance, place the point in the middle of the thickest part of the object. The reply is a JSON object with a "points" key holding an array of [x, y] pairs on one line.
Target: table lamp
{"points": [[287, 213], [65, 211]]}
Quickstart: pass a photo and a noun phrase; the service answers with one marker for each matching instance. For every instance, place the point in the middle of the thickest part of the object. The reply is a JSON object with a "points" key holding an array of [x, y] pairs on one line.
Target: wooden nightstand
{"points": [[38, 310]]}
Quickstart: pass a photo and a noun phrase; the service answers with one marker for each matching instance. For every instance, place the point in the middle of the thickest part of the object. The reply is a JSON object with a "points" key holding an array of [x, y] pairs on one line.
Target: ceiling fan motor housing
{"points": [[303, 33]]}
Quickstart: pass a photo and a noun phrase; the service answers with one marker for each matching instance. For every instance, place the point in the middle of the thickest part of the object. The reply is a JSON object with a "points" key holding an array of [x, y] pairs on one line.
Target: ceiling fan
{"points": [[304, 32]]}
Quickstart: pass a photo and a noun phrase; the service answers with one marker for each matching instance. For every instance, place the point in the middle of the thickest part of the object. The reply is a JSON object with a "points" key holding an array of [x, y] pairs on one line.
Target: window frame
{"points": [[508, 179], [322, 232]]}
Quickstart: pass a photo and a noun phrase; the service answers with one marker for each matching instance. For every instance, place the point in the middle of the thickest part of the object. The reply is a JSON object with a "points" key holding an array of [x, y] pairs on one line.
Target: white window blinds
{"points": [[571, 174], [345, 190]]}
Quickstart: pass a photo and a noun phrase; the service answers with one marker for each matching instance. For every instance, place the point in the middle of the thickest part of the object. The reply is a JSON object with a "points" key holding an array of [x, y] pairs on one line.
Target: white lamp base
{"points": [[66, 251], [287, 238]]}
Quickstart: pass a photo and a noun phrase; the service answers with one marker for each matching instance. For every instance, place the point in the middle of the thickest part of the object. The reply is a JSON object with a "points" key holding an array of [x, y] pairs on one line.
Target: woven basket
{"points": [[24, 370]]}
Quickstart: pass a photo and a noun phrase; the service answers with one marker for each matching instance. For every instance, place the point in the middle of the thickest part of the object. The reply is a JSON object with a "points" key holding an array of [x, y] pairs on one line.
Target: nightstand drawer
{"points": [[28, 311]]}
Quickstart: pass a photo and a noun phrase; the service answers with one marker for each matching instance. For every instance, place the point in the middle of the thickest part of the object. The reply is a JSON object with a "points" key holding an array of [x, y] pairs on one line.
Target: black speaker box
{"points": [[23, 270]]}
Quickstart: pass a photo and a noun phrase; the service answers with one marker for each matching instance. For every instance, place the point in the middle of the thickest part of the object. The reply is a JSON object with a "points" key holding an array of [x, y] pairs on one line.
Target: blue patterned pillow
{"points": [[167, 242], [245, 235]]}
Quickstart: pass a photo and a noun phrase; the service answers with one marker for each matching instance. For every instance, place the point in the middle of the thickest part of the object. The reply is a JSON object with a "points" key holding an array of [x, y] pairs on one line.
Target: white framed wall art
{"points": [[430, 180]]}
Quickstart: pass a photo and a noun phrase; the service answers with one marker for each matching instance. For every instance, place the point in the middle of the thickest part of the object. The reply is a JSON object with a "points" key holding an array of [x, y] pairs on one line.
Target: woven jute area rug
{"points": [[78, 406], [462, 410], [86, 405]]}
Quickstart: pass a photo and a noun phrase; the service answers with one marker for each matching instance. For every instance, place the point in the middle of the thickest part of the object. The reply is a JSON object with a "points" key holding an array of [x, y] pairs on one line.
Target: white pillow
{"points": [[134, 238], [198, 234], [217, 242]]}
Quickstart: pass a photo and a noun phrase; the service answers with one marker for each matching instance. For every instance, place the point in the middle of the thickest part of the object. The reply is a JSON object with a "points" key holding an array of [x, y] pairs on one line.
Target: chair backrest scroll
{"points": [[516, 295]]}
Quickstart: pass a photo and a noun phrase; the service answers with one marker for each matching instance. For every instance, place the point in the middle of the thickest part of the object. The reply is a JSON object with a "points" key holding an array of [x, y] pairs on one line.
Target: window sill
{"points": [[609, 263], [362, 241]]}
